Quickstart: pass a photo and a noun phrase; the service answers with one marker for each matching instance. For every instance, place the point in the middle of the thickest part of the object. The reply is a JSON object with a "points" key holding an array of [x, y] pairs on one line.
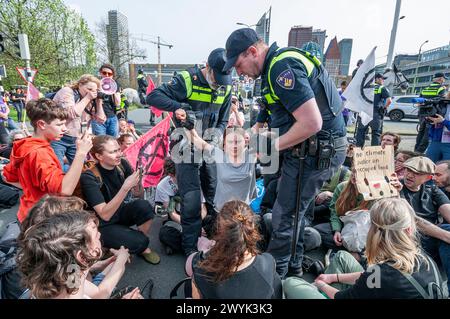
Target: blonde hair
{"points": [[388, 241], [84, 79]]}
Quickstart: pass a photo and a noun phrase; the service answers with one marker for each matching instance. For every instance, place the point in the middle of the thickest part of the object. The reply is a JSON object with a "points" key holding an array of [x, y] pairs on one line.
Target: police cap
{"points": [[216, 62], [239, 41]]}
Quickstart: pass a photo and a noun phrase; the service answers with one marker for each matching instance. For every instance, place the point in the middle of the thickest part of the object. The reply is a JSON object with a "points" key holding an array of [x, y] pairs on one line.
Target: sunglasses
{"points": [[106, 73]]}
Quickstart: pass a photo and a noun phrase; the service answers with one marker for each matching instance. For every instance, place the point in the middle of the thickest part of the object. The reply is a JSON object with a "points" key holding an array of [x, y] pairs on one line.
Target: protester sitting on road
{"points": [[346, 197], [107, 272], [237, 118], [132, 128], [112, 203], [431, 205], [323, 199], [389, 138], [34, 166], [442, 177], [55, 256], [233, 268], [401, 157], [14, 135], [125, 141], [235, 167], [125, 128], [77, 99], [393, 253]]}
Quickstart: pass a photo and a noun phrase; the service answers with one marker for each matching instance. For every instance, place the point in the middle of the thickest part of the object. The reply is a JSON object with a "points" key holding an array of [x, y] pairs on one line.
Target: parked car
{"points": [[403, 107]]}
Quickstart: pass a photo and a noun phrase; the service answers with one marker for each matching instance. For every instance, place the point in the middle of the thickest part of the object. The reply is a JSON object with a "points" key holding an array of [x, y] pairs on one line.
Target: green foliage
{"points": [[61, 45]]}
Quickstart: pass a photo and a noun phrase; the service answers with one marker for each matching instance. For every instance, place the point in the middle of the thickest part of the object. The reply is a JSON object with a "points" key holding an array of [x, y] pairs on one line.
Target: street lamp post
{"points": [[417, 66], [394, 33]]}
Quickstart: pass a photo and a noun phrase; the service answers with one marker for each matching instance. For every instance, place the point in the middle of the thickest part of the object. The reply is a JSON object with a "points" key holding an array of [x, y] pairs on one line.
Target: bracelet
{"points": [[337, 277]]}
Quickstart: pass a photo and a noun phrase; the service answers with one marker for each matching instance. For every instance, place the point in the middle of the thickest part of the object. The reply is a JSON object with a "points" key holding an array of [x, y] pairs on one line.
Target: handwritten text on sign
{"points": [[374, 165]]}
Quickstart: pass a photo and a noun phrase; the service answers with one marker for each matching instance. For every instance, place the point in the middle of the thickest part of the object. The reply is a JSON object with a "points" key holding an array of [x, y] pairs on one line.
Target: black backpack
{"points": [[9, 196]]}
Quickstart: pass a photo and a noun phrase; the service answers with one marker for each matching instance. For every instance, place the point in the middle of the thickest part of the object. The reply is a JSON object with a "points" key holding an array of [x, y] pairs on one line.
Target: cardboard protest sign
{"points": [[374, 166]]}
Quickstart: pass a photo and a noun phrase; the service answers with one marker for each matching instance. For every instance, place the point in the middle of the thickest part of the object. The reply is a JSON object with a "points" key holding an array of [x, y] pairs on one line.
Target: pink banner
{"points": [[151, 87], [149, 152], [32, 93]]}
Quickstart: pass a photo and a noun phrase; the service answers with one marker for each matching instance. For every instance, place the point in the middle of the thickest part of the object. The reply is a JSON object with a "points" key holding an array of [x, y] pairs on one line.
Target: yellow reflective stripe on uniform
{"points": [[200, 88], [200, 97], [228, 90], [269, 98], [188, 82], [309, 65], [378, 90]]}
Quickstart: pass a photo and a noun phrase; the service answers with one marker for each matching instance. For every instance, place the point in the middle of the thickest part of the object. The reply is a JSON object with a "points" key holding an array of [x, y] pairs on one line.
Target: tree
{"points": [[61, 45], [113, 46]]}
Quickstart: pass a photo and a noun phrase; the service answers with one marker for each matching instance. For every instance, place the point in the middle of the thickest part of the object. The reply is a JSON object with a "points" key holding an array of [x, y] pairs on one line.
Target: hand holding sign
{"points": [[374, 172]]}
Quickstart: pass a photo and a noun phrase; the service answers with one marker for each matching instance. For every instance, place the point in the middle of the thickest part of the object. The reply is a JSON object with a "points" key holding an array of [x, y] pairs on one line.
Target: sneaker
{"points": [[312, 265], [329, 257], [151, 257]]}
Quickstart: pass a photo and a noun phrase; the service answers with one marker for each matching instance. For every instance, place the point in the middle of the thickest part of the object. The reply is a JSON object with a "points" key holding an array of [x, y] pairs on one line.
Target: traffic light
{"points": [[2, 46], [22, 49]]}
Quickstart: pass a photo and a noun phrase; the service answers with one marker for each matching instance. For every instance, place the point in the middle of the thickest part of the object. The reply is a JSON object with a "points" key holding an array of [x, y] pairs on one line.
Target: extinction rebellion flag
{"points": [[149, 152]]}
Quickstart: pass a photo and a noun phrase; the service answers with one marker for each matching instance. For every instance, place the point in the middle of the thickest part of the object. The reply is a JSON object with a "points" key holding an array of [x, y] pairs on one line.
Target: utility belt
{"points": [[323, 149]]}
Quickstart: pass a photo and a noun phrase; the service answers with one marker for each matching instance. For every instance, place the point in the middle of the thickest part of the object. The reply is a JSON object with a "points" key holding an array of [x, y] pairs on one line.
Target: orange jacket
{"points": [[35, 166]]}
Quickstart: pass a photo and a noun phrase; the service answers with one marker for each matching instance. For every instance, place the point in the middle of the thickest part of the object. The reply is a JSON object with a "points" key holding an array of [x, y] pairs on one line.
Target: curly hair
{"points": [[84, 79], [48, 206], [48, 252], [236, 234]]}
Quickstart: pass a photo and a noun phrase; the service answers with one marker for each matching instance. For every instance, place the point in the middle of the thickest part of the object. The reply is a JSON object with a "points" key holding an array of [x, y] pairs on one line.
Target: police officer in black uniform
{"points": [[202, 95], [381, 101], [306, 109]]}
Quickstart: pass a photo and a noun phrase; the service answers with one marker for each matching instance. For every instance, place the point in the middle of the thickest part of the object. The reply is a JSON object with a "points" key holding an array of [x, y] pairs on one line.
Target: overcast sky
{"points": [[196, 27]]}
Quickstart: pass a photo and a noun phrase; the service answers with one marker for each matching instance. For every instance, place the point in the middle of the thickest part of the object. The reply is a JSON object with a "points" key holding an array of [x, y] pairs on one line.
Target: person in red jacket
{"points": [[34, 166]]}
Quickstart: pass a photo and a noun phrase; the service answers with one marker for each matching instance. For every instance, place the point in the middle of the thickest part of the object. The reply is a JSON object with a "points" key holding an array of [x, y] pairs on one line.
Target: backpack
{"points": [[8, 247], [9, 196], [92, 167]]}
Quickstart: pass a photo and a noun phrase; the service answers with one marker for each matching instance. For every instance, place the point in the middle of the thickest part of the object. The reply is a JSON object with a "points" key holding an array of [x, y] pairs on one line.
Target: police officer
{"points": [[381, 101], [205, 94], [435, 89], [142, 85], [305, 107]]}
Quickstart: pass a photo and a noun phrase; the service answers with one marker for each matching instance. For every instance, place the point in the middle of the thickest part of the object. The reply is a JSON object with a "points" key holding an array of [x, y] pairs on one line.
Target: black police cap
{"points": [[216, 62], [239, 41]]}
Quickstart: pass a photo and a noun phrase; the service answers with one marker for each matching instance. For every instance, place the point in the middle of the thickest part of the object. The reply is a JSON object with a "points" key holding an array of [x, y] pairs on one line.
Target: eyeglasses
{"points": [[106, 73]]}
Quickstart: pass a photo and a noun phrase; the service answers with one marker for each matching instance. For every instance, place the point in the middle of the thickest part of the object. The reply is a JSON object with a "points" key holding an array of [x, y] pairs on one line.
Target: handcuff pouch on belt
{"points": [[322, 149]]}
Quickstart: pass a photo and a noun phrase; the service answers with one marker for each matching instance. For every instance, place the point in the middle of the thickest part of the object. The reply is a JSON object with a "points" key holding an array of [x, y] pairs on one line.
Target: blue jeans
{"points": [[67, 147], [19, 108], [110, 127], [438, 151]]}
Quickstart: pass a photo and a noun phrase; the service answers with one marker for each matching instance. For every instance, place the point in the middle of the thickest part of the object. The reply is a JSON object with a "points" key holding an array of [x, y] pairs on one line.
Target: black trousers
{"points": [[191, 179], [117, 231]]}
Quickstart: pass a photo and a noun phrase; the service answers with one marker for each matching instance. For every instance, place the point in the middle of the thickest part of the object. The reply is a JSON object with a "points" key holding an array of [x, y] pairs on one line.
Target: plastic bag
{"points": [[356, 228]]}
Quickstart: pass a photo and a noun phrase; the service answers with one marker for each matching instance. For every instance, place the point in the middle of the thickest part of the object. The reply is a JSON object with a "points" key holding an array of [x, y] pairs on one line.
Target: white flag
{"points": [[359, 93]]}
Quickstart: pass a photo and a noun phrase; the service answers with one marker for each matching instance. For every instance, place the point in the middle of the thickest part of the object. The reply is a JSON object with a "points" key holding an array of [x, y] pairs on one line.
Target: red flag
{"points": [[151, 87], [32, 92], [149, 152]]}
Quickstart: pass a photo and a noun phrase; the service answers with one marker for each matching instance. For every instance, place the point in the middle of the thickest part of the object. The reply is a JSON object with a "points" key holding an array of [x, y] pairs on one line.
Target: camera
{"points": [[432, 107], [101, 95]]}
